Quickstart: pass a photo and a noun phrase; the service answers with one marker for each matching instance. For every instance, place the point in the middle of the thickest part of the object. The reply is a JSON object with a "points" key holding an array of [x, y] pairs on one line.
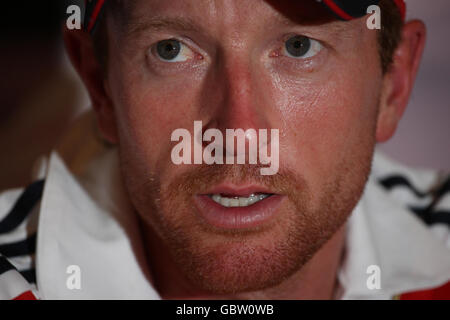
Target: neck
{"points": [[317, 279]]}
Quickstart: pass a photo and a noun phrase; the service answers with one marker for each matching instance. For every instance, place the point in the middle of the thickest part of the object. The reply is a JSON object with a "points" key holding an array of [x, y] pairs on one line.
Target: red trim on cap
{"points": [[336, 9], [344, 15], [95, 14]]}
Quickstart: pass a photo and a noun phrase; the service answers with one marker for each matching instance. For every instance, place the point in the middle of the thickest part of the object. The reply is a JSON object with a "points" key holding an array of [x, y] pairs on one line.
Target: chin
{"points": [[242, 261]]}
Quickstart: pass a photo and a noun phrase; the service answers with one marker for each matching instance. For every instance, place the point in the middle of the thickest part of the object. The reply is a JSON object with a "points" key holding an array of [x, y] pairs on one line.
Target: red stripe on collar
{"points": [[27, 295], [440, 293]]}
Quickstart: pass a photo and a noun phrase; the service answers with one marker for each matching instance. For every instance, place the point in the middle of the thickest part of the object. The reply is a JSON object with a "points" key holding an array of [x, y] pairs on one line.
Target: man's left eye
{"points": [[172, 50], [301, 47]]}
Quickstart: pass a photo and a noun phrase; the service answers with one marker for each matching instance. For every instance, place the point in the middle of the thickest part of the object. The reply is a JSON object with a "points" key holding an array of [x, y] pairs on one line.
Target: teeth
{"points": [[243, 202], [252, 199], [225, 202], [234, 202], [238, 201]]}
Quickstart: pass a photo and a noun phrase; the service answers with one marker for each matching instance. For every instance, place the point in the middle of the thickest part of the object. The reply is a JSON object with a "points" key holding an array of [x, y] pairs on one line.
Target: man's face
{"points": [[243, 64]]}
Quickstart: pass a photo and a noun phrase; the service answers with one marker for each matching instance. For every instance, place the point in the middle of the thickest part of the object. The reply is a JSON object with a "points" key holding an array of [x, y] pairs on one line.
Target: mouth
{"points": [[238, 207], [230, 201]]}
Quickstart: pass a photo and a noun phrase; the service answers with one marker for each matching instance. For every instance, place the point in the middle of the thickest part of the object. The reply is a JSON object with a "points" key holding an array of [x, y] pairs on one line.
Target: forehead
{"points": [[203, 14], [295, 8]]}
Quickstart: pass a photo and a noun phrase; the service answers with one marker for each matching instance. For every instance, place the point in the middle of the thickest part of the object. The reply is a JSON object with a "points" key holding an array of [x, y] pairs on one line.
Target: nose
{"points": [[236, 96]]}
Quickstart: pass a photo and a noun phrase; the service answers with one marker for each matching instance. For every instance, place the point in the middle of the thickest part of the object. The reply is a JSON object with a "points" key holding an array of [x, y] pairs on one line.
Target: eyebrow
{"points": [[332, 27], [161, 23], [139, 25]]}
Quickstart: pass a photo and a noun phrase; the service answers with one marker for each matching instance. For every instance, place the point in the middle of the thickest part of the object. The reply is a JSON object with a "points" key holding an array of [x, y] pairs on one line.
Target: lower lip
{"points": [[251, 216]]}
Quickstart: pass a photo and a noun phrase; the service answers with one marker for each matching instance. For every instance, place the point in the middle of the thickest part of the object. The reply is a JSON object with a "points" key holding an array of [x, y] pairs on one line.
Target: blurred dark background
{"points": [[39, 91], [31, 48], [40, 94]]}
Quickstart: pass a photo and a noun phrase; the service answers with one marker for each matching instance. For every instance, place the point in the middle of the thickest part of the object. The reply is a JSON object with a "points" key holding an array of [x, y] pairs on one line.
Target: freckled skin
{"points": [[326, 108]]}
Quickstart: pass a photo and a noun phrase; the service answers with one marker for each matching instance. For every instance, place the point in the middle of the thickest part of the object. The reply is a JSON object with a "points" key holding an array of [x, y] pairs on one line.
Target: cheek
{"points": [[328, 122], [147, 112]]}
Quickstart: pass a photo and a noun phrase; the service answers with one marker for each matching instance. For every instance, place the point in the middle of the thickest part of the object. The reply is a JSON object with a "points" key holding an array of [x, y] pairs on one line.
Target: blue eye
{"points": [[301, 47], [172, 50]]}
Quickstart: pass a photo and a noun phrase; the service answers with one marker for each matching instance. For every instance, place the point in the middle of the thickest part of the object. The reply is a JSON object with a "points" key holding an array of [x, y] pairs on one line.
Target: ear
{"points": [[79, 45], [398, 82]]}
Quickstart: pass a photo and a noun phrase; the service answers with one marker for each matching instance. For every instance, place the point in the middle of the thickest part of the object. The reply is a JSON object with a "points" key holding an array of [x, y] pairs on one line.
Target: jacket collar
{"points": [[89, 223], [87, 220], [384, 233]]}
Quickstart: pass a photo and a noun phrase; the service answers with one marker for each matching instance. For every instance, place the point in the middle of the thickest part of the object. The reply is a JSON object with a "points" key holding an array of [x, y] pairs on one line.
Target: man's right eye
{"points": [[172, 50], [301, 47]]}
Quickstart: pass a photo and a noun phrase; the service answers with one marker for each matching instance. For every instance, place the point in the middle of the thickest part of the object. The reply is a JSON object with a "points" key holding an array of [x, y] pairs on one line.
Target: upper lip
{"points": [[243, 190]]}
